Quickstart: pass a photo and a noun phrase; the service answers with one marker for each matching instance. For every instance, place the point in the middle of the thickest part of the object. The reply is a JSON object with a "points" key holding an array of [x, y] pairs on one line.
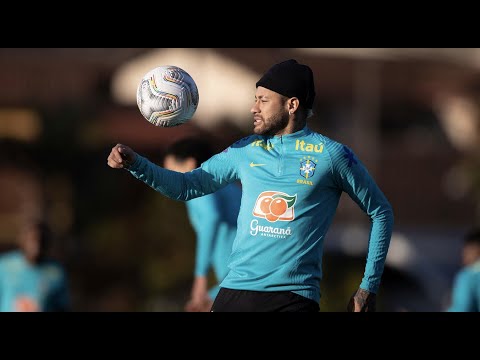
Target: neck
{"points": [[35, 260], [293, 126]]}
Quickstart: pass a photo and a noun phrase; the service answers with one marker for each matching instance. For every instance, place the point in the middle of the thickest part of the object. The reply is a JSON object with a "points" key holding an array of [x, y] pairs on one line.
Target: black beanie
{"points": [[290, 79]]}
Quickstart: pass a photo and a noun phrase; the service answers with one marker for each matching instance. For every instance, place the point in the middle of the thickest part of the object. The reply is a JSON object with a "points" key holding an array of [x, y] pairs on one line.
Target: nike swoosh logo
{"points": [[253, 165]]}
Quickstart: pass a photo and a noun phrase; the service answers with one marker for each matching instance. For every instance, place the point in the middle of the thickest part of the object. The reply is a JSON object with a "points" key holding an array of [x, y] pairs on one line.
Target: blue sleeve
{"points": [[185, 186], [353, 178], [205, 219], [462, 294]]}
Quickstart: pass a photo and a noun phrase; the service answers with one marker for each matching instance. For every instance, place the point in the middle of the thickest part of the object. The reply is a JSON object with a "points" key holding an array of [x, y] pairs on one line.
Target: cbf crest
{"points": [[307, 166]]}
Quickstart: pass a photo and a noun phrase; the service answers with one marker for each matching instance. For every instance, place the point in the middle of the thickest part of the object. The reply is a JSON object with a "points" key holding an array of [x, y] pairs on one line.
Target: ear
{"points": [[293, 104]]}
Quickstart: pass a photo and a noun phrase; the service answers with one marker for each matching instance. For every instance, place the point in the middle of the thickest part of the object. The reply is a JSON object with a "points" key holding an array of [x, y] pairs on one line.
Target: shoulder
{"points": [[335, 150], [334, 147], [53, 269], [473, 268], [11, 256], [464, 275], [342, 157]]}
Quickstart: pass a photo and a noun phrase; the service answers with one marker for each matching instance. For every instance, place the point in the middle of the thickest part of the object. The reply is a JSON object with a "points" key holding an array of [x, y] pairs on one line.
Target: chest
{"points": [[297, 164], [22, 279]]}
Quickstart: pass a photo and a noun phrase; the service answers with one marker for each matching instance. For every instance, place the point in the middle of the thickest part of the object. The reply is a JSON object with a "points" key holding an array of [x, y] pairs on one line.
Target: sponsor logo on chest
{"points": [[301, 145]]}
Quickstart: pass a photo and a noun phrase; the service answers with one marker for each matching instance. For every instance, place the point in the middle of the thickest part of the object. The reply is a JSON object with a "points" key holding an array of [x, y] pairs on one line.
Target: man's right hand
{"points": [[199, 305], [199, 299], [121, 157]]}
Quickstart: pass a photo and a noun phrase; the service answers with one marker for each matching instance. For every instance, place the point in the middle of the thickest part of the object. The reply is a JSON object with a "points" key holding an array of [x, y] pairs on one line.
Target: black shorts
{"points": [[229, 300]]}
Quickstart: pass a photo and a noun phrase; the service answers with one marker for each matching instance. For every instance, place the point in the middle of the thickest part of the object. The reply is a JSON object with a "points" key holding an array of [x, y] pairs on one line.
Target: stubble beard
{"points": [[272, 125]]}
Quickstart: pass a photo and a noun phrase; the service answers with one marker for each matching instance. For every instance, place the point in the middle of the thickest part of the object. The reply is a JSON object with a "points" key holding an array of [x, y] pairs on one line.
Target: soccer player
{"points": [[466, 287], [29, 280], [213, 218], [292, 179]]}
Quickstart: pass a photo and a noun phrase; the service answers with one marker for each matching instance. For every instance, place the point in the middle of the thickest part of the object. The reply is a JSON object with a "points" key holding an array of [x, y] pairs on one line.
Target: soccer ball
{"points": [[167, 96]]}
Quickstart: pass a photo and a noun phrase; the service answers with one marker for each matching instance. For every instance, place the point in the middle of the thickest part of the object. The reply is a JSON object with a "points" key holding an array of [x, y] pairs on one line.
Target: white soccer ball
{"points": [[167, 96]]}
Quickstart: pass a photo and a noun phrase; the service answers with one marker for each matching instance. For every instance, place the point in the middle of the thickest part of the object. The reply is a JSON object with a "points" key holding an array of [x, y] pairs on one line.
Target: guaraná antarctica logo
{"points": [[275, 206]]}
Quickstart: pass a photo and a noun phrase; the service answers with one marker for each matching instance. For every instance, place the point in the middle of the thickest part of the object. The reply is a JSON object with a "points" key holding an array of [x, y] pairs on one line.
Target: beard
{"points": [[272, 125]]}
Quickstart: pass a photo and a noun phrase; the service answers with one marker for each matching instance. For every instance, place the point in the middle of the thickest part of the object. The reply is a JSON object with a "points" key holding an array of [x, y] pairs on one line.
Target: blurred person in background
{"points": [[29, 280], [213, 218], [466, 285], [292, 180]]}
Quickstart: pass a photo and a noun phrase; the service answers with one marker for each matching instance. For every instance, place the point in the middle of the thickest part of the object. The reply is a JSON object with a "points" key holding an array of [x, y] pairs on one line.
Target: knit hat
{"points": [[291, 79]]}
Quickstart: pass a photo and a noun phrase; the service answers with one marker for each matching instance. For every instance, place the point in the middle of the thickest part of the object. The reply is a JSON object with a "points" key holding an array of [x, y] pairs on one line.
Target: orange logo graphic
{"points": [[275, 206]]}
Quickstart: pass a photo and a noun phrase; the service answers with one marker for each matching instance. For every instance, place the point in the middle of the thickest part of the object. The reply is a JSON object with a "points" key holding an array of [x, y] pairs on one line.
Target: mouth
{"points": [[257, 121]]}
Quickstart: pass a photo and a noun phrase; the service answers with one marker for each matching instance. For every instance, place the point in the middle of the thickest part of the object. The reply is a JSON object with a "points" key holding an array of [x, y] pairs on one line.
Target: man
{"points": [[292, 179], [466, 286], [214, 220], [29, 281]]}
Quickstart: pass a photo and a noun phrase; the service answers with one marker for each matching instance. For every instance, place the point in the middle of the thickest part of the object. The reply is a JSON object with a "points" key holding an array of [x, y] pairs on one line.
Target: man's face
{"points": [[470, 254], [30, 243], [172, 163], [270, 113]]}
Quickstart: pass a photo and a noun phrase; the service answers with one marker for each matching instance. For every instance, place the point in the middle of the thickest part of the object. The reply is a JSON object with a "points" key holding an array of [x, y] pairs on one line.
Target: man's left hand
{"points": [[362, 301]]}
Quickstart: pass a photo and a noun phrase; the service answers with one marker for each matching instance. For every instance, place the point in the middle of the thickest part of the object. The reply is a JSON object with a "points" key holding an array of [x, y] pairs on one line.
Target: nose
{"points": [[254, 108]]}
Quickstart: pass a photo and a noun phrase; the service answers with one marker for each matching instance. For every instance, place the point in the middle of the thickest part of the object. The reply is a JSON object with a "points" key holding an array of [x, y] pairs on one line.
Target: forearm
{"points": [[203, 259], [380, 235], [206, 235], [199, 287], [172, 184]]}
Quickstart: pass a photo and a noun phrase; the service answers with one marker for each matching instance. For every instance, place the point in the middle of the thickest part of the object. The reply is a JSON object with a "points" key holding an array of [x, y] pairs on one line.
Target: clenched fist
{"points": [[121, 157]]}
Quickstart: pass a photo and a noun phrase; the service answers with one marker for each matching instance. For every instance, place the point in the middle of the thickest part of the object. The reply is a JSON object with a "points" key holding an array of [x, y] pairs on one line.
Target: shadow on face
{"points": [[470, 254], [180, 165], [33, 241]]}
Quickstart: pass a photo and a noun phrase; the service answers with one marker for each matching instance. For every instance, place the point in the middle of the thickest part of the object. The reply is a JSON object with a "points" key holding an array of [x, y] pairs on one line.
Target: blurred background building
{"points": [[411, 115]]}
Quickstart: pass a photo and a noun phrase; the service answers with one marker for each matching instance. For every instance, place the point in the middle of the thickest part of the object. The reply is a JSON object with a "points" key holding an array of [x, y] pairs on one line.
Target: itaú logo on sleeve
{"points": [[275, 206]]}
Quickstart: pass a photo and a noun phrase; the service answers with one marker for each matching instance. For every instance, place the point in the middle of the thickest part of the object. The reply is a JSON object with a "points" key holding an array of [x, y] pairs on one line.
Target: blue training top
{"points": [[291, 187], [214, 220], [466, 290], [29, 287]]}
